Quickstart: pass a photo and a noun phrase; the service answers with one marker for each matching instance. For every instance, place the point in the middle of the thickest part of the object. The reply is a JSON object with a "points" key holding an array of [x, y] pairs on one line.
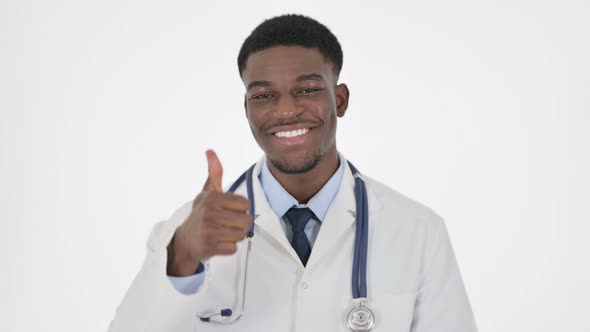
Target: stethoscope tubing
{"points": [[359, 265]]}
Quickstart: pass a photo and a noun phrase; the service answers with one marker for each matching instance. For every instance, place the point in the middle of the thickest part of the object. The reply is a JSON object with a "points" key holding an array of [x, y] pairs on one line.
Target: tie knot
{"points": [[298, 218]]}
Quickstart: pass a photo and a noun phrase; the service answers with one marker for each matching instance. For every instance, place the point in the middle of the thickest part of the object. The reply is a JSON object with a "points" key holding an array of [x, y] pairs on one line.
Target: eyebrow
{"points": [[310, 77], [258, 83], [300, 78]]}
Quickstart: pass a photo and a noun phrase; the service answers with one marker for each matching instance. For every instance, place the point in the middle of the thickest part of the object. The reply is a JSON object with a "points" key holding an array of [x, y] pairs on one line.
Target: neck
{"points": [[305, 185]]}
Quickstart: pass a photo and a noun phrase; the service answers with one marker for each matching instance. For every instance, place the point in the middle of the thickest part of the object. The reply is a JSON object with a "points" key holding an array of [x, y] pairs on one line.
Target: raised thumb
{"points": [[215, 172]]}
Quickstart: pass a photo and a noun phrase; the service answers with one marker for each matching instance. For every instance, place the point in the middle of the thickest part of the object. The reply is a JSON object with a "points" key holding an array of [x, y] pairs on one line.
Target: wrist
{"points": [[180, 264]]}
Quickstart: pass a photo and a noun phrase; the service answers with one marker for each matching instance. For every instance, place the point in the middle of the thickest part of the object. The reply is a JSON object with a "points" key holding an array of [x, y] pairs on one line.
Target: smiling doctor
{"points": [[302, 241]]}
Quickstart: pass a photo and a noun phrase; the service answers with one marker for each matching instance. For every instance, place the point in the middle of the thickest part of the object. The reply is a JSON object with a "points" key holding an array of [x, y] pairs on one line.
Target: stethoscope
{"points": [[360, 318]]}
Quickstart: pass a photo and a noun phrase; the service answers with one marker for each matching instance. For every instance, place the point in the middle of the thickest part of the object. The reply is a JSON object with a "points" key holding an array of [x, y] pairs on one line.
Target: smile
{"points": [[292, 133]]}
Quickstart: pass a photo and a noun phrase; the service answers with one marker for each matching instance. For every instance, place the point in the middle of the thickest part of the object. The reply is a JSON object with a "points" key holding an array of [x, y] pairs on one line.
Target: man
{"points": [[299, 269]]}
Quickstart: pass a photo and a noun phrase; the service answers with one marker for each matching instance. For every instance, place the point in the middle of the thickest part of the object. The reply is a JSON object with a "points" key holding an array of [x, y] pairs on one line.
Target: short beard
{"points": [[301, 167]]}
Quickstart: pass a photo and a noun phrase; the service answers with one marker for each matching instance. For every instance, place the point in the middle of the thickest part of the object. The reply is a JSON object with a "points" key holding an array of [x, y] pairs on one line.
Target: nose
{"points": [[288, 107]]}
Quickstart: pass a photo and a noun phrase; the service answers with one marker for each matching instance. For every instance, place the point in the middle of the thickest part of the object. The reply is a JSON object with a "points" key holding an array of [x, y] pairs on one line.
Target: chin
{"points": [[297, 165]]}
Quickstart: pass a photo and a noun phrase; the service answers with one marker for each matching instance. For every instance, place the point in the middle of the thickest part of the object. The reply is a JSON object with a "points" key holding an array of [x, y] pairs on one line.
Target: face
{"points": [[292, 102]]}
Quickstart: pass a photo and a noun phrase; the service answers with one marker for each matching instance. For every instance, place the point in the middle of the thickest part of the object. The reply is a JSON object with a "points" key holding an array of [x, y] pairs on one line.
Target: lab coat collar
{"points": [[339, 218]]}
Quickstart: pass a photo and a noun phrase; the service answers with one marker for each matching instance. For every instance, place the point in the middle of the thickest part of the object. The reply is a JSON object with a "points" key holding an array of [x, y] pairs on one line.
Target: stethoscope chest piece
{"points": [[361, 318]]}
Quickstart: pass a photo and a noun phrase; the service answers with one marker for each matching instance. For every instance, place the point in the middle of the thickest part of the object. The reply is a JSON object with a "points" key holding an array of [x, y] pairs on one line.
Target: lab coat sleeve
{"points": [[441, 304], [152, 303]]}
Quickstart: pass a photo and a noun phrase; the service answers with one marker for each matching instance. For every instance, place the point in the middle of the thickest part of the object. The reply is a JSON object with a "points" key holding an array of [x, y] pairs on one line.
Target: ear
{"points": [[342, 95]]}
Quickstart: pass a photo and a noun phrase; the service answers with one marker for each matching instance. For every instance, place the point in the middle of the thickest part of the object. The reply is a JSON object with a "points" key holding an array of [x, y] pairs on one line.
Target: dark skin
{"points": [[292, 91], [291, 87]]}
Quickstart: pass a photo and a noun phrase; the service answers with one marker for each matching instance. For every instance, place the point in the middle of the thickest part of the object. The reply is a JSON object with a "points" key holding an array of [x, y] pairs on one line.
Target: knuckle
{"points": [[245, 203], [232, 248], [226, 248], [214, 198], [208, 216], [240, 200], [247, 221], [239, 234]]}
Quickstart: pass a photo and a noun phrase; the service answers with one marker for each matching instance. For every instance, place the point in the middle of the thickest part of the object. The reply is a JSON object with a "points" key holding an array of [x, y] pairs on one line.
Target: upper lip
{"points": [[291, 127]]}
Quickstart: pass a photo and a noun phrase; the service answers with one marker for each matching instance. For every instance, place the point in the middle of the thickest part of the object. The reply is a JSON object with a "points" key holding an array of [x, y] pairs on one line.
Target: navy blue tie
{"points": [[298, 218]]}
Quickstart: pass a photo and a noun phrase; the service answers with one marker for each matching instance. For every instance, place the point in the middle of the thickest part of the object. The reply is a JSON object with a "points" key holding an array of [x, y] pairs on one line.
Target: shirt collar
{"points": [[281, 201]]}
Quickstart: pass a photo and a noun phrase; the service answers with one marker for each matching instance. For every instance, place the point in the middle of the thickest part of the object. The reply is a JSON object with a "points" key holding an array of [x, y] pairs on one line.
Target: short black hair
{"points": [[292, 30]]}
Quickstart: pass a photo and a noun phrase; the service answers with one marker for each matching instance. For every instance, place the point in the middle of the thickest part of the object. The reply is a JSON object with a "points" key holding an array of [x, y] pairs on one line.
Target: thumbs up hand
{"points": [[217, 222]]}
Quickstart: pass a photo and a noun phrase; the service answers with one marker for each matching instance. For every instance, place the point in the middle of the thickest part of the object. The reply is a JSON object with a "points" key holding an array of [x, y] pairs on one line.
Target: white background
{"points": [[480, 110]]}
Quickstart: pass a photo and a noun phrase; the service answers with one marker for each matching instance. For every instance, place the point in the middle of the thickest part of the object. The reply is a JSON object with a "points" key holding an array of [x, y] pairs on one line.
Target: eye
{"points": [[308, 90], [262, 96]]}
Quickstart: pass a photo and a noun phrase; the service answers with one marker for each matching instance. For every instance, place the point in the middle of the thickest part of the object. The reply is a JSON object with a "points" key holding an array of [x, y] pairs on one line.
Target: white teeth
{"points": [[292, 133]]}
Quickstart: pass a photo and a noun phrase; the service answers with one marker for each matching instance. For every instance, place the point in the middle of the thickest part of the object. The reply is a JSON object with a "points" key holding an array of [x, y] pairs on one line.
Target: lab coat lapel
{"points": [[266, 219], [339, 218]]}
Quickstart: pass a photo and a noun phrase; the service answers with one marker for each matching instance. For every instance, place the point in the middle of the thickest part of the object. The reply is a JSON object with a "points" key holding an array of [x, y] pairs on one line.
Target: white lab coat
{"points": [[413, 284]]}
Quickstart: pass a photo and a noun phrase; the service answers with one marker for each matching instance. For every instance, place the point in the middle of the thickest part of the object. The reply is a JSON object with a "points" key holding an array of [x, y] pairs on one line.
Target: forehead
{"points": [[285, 62]]}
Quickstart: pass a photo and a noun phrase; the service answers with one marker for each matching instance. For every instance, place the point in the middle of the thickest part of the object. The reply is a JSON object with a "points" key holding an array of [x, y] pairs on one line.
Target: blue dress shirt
{"points": [[280, 201]]}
